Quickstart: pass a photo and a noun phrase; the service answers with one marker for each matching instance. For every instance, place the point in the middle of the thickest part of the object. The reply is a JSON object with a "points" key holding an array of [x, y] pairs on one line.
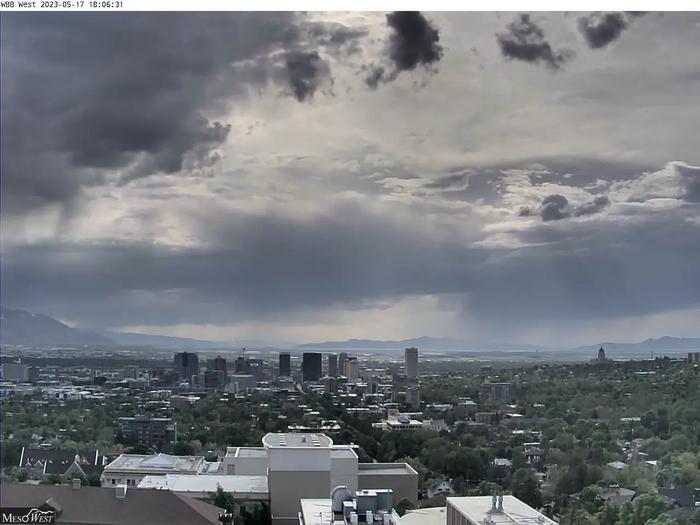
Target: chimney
{"points": [[493, 503], [500, 503], [76, 483]]}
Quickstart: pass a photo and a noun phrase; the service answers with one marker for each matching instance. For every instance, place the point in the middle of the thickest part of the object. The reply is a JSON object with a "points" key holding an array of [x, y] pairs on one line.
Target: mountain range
{"points": [[439, 343], [19, 327]]}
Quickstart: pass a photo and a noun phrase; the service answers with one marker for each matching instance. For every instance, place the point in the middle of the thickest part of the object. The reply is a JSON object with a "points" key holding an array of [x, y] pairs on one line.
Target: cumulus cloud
{"points": [[414, 42], [525, 41], [600, 29]]}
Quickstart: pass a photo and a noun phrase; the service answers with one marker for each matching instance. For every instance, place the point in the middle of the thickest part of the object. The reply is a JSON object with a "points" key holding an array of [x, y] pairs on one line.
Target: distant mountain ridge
{"points": [[425, 343], [19, 327], [649, 345], [439, 343]]}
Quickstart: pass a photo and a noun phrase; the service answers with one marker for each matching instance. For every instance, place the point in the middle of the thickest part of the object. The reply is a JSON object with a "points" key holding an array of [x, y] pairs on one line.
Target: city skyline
{"points": [[321, 176]]}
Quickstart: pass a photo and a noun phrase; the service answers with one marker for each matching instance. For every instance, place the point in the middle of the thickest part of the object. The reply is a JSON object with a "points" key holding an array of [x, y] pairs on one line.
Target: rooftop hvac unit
{"points": [[121, 492]]}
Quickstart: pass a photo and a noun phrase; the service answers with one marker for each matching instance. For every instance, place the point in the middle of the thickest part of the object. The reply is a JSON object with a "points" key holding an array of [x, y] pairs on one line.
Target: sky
{"points": [[298, 177]]}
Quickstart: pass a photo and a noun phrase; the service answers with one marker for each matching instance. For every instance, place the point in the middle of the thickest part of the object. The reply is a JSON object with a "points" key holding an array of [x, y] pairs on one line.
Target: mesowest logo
{"points": [[26, 515]]}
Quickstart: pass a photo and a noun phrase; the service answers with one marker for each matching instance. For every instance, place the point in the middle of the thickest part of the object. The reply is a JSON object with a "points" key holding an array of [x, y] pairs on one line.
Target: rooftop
{"points": [[100, 506], [515, 512], [297, 441], [434, 516], [158, 462], [208, 483], [383, 469]]}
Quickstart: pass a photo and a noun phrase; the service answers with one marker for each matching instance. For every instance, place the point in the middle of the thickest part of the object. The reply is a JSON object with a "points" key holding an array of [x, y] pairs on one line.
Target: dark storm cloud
{"points": [[133, 93], [600, 29], [414, 42], [525, 41], [306, 71], [265, 267], [554, 207]]}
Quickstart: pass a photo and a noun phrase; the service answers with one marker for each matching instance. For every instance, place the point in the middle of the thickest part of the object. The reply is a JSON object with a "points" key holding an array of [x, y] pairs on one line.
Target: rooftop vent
{"points": [[121, 492]]}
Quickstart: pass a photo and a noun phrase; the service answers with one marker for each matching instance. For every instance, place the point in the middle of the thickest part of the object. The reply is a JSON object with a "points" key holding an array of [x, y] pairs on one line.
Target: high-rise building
{"points": [[242, 366], [352, 369], [152, 432], [342, 358], [311, 366], [256, 368], [285, 364], [218, 363], [186, 365], [496, 391], [332, 365], [411, 357]]}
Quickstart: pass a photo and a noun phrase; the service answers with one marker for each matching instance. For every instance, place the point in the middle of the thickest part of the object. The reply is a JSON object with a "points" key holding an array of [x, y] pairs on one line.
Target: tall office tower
{"points": [[242, 366], [285, 364], [411, 362], [332, 365], [256, 367], [342, 358], [311, 366], [186, 365], [352, 369], [218, 363]]}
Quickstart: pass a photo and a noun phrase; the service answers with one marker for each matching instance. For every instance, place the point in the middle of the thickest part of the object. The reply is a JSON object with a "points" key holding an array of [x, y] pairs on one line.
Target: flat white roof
{"points": [[290, 440], [246, 452], [207, 483], [158, 462], [434, 516], [343, 452], [383, 469], [316, 511], [515, 512]]}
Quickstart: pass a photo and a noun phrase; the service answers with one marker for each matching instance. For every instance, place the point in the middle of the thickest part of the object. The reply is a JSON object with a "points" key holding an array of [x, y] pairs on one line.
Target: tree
{"points": [[183, 448], [642, 509], [663, 519], [403, 505], [609, 515], [221, 499], [525, 487]]}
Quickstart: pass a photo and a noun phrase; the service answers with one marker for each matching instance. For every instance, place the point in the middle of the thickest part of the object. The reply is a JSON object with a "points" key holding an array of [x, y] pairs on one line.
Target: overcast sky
{"points": [[303, 177]]}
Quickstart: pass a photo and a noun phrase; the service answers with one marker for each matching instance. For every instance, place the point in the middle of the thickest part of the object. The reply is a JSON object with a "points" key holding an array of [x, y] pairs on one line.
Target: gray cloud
{"points": [[132, 93], [554, 207], [600, 29], [414, 42], [597, 205], [691, 179], [453, 181], [525, 41], [264, 267], [306, 71]]}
